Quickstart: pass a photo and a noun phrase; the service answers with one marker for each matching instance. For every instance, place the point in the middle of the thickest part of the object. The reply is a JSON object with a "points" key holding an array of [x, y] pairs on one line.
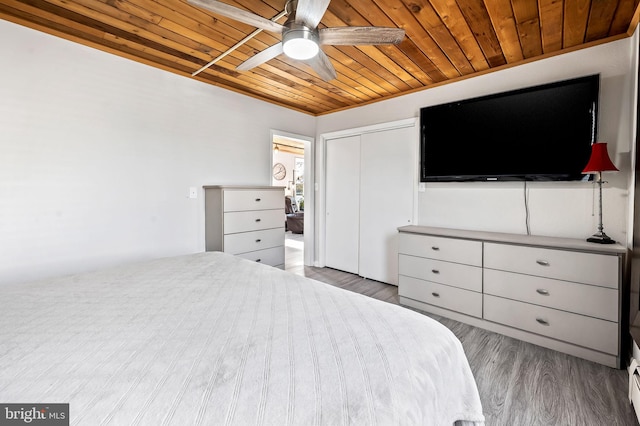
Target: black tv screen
{"points": [[538, 133]]}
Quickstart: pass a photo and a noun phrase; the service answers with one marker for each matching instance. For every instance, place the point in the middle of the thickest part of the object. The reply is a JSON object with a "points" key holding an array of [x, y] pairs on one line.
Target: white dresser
{"points": [[444, 272], [246, 221], [560, 293]]}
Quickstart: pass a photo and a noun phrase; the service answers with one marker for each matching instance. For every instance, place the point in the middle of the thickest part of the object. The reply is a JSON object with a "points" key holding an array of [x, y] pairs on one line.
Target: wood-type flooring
{"points": [[520, 384]]}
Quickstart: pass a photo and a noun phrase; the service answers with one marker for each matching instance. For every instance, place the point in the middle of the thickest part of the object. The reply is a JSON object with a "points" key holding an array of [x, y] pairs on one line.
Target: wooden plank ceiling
{"points": [[445, 40]]}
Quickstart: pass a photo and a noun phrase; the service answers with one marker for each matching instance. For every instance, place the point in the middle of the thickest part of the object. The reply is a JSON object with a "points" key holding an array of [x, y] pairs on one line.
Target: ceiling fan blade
{"points": [[238, 15], [322, 66], [361, 35], [261, 58], [310, 12]]}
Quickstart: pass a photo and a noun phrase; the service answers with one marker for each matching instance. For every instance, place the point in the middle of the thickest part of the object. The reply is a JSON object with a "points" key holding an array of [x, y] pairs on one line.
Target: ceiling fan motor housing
{"points": [[300, 41]]}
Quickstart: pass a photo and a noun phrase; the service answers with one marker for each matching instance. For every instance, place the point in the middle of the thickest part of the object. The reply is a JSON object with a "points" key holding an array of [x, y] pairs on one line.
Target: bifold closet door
{"points": [[342, 203], [387, 176]]}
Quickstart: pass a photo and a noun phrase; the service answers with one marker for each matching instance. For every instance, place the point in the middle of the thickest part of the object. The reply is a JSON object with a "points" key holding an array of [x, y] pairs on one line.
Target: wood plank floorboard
{"points": [[520, 384]]}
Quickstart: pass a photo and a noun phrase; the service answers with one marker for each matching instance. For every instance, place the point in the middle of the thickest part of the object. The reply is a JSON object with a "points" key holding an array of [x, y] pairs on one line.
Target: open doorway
{"points": [[290, 155]]}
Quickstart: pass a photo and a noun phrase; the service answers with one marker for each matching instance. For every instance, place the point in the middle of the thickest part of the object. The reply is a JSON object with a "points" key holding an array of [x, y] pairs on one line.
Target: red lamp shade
{"points": [[599, 161]]}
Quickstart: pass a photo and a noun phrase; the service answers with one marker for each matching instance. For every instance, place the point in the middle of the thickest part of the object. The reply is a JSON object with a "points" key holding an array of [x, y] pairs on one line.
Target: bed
{"points": [[209, 338]]}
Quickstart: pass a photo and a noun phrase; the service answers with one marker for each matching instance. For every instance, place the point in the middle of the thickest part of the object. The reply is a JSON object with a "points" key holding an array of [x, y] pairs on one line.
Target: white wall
{"points": [[97, 154], [556, 209]]}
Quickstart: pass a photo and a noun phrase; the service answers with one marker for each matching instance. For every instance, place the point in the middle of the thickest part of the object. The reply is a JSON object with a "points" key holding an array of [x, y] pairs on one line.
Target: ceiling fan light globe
{"points": [[299, 41], [300, 48]]}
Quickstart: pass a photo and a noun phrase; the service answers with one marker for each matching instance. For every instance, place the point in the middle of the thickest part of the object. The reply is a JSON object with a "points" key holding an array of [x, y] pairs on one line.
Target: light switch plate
{"points": [[193, 192]]}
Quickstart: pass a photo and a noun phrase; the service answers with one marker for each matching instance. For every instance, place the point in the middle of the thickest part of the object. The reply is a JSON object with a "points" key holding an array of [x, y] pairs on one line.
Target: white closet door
{"points": [[342, 203], [387, 180]]}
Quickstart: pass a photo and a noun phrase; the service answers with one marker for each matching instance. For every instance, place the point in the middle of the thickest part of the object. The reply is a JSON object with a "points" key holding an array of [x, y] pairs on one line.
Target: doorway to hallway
{"points": [[289, 171]]}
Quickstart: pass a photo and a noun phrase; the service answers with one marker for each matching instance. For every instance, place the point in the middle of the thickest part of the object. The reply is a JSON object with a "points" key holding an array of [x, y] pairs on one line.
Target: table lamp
{"points": [[598, 163]]}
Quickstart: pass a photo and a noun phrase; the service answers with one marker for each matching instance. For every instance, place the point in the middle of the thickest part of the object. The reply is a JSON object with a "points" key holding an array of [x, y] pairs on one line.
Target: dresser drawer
{"points": [[439, 248], [452, 298], [577, 329], [253, 220], [251, 241], [453, 274], [272, 256], [582, 299], [588, 268], [252, 199]]}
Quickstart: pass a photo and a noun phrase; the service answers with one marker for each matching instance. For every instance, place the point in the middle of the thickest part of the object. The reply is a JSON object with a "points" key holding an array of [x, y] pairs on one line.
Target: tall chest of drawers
{"points": [[246, 221], [560, 293]]}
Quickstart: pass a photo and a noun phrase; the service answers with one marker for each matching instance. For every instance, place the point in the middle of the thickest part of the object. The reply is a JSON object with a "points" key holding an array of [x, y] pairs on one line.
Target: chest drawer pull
{"points": [[435, 294], [435, 271], [543, 292], [258, 200], [257, 220], [258, 260], [542, 321], [258, 240], [542, 262], [435, 248]]}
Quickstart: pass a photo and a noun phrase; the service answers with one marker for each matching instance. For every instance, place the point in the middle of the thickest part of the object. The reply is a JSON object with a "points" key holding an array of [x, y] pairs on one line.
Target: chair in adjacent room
{"points": [[295, 219]]}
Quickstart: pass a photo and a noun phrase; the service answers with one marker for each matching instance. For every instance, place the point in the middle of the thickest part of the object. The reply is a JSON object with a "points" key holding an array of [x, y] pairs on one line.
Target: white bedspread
{"points": [[213, 339]]}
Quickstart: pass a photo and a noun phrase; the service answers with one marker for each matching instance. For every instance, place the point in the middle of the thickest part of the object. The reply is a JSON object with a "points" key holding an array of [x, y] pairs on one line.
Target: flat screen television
{"points": [[541, 133]]}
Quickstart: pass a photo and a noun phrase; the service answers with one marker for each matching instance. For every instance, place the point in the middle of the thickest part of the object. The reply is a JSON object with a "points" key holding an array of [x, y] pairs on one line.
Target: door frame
{"points": [[309, 186], [321, 168]]}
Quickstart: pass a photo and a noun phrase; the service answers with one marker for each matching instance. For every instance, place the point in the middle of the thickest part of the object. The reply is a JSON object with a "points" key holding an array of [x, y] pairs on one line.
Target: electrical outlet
{"points": [[193, 192]]}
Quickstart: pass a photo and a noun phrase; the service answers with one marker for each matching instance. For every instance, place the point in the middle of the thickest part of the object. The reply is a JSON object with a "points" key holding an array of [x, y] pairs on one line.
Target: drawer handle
{"points": [[258, 200], [435, 271], [542, 321], [435, 294], [258, 240], [543, 292], [257, 220], [435, 248], [258, 260], [542, 262]]}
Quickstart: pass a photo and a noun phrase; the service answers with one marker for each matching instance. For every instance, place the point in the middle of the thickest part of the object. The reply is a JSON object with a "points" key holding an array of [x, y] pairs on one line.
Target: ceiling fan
{"points": [[301, 38]]}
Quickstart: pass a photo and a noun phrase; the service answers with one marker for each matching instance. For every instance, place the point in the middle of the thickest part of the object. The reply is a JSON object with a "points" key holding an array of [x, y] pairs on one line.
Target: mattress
{"points": [[212, 339]]}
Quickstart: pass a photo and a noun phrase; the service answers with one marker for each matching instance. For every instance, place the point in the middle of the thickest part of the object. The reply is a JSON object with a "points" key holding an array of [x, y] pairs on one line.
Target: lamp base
{"points": [[600, 238]]}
